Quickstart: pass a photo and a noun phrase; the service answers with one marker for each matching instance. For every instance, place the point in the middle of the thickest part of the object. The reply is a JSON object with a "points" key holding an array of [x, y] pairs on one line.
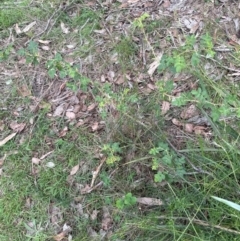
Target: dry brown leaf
{"points": [[44, 41], [166, 3], [189, 112], [18, 127], [165, 107], [151, 86], [101, 31], [176, 122], [17, 29], [103, 79], [74, 170], [153, 66], [59, 110], [46, 48], [70, 115], [8, 138], [60, 236], [2, 125], [188, 127], [86, 189], [94, 215], [36, 161], [106, 220], [64, 29], [110, 75], [71, 46], [120, 80], [199, 130], [91, 107], [133, 1], [63, 132], [150, 201], [29, 26], [95, 126], [24, 91], [2, 159]]}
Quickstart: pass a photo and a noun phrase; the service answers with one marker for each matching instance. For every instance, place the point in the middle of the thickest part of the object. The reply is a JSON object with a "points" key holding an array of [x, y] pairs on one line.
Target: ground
{"points": [[119, 120]]}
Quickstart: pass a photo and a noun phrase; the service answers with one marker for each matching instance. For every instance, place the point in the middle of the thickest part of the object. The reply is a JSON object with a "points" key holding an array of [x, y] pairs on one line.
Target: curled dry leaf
{"points": [[64, 29], [165, 107], [176, 122], [17, 29], [86, 189], [44, 41], [2, 160], [46, 48], [59, 110], [24, 91], [188, 127], [150, 201], [63, 132], [36, 160], [2, 125], [153, 66], [29, 26], [94, 215], [70, 115], [120, 80], [60, 236], [74, 170], [189, 112], [95, 126], [50, 164], [151, 86], [101, 31], [91, 107], [199, 130], [18, 127], [106, 220]]}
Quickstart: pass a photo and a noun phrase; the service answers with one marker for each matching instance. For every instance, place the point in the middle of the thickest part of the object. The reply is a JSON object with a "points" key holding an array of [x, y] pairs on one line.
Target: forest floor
{"points": [[119, 120]]}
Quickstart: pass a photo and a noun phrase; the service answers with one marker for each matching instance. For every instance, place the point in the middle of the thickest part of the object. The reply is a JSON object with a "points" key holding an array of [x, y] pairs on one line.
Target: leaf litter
{"points": [[80, 108]]}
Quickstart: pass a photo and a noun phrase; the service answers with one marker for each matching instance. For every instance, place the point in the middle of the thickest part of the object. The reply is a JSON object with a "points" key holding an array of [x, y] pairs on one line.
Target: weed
{"points": [[127, 201]]}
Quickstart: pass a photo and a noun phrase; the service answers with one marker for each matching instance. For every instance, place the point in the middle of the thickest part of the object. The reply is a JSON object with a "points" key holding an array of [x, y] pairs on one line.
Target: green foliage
{"points": [[112, 150], [138, 22], [9, 17], [127, 201], [31, 53], [207, 45], [5, 53], [163, 158], [125, 49]]}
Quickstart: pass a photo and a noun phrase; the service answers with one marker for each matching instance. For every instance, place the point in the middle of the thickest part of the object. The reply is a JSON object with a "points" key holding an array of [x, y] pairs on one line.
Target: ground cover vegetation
{"points": [[119, 120]]}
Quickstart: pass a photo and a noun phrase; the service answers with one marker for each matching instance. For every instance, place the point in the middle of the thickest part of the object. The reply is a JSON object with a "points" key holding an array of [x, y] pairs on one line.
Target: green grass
{"points": [[138, 142]]}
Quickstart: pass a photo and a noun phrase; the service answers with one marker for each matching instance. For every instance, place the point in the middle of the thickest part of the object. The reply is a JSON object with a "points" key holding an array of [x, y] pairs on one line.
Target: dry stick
{"points": [[203, 223]]}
